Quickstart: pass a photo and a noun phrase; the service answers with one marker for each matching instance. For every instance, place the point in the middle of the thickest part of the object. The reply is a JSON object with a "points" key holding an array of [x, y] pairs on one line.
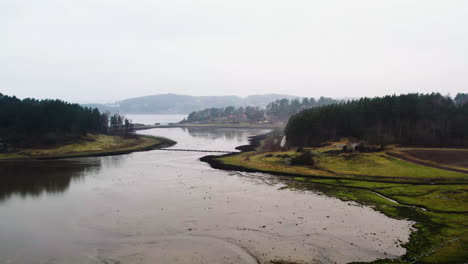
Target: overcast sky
{"points": [[106, 50]]}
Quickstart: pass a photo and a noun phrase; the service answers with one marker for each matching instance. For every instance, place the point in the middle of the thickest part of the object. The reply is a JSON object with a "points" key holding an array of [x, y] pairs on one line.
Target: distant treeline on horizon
{"points": [[411, 119], [184, 104], [277, 111], [430, 120]]}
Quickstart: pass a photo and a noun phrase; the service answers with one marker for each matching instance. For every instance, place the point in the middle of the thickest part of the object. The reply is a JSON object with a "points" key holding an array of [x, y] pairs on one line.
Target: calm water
{"points": [[166, 206], [151, 119]]}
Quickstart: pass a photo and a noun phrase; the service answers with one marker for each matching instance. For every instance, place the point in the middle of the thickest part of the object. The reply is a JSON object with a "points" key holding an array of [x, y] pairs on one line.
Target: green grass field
{"points": [[380, 164], [436, 199], [365, 165], [90, 145]]}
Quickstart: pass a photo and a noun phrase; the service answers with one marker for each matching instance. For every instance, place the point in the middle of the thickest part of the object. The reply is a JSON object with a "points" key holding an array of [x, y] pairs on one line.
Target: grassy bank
{"points": [[436, 199], [92, 145]]}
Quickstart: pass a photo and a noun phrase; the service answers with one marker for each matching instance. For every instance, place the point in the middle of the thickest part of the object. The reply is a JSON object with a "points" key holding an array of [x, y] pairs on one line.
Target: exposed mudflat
{"points": [[166, 206]]}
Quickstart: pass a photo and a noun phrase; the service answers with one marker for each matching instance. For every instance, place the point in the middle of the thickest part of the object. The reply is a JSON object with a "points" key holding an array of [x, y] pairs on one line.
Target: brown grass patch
{"points": [[449, 158]]}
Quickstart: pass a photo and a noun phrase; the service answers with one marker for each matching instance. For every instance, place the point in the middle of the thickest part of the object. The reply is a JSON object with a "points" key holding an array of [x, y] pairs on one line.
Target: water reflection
{"points": [[205, 138], [107, 162], [33, 178], [216, 133]]}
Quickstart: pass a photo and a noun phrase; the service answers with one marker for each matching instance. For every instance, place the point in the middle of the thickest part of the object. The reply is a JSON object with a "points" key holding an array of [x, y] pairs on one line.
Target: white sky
{"points": [[105, 50]]}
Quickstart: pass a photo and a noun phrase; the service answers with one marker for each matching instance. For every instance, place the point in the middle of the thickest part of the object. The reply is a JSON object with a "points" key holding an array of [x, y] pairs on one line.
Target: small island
{"points": [[52, 129]]}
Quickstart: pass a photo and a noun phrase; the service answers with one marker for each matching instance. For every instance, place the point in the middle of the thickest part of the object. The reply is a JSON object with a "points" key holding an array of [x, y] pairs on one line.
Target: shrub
{"points": [[305, 158]]}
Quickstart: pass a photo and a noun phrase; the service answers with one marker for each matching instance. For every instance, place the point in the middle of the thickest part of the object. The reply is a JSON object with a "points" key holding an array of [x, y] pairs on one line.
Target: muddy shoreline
{"points": [[254, 142], [160, 207]]}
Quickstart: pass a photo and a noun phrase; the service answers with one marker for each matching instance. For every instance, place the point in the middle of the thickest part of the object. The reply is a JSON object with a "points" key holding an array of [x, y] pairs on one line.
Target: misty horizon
{"points": [[225, 95], [106, 51]]}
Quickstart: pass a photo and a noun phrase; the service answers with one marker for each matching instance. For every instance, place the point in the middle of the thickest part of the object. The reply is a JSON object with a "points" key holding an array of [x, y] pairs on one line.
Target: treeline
{"points": [[229, 114], [31, 122], [430, 120], [279, 110], [284, 108]]}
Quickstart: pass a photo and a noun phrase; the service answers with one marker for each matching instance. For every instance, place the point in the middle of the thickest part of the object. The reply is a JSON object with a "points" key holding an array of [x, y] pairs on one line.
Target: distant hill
{"points": [[184, 104]]}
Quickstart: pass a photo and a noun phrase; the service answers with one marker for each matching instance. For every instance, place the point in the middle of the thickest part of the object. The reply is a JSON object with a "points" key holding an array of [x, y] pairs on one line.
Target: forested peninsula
{"points": [[276, 112], [31, 128]]}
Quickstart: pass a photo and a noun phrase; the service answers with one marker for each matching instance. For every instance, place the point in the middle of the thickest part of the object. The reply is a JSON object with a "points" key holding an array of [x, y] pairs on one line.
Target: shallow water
{"points": [[166, 206]]}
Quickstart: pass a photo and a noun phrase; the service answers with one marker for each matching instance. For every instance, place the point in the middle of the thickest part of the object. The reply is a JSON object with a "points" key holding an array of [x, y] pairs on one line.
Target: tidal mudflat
{"points": [[166, 206]]}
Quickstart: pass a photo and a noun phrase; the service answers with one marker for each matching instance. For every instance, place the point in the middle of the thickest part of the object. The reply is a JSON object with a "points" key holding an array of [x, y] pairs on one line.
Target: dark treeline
{"points": [[279, 110], [31, 122], [412, 119], [284, 108]]}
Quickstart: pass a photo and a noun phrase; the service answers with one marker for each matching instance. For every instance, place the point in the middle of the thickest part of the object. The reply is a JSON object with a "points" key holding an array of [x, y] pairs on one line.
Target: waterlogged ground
{"points": [[165, 206]]}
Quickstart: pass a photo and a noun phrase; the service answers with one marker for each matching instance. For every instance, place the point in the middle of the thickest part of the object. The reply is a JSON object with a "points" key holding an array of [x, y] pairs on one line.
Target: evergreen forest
{"points": [[32, 123], [426, 120]]}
